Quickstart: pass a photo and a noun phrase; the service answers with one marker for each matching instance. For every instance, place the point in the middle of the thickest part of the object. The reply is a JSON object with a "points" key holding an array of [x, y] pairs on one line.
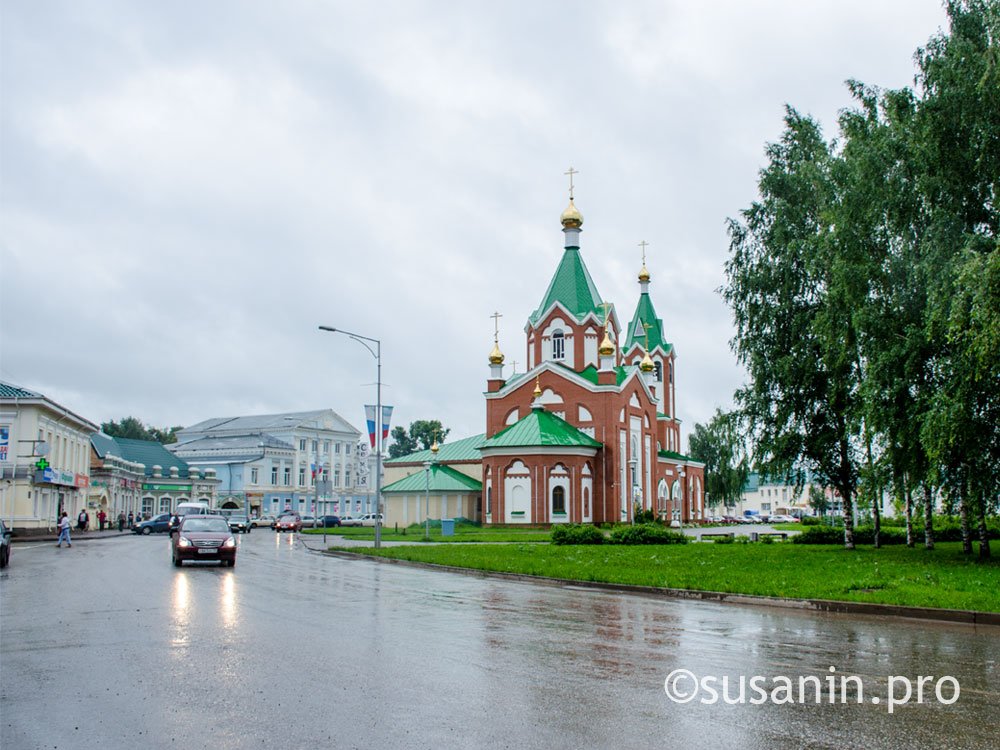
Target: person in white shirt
{"points": [[64, 524]]}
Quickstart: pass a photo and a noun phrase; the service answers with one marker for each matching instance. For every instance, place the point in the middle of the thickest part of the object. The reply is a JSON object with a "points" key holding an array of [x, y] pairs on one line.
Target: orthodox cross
{"points": [[514, 365], [646, 327], [496, 325], [605, 306], [571, 172], [643, 246]]}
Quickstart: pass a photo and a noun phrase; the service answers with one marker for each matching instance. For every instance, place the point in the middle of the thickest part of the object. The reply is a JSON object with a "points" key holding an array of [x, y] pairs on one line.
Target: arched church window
{"points": [[558, 500], [659, 371], [558, 345], [489, 500]]}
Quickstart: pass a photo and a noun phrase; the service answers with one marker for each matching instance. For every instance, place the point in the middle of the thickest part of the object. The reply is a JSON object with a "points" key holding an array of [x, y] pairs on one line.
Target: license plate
{"points": [[207, 551]]}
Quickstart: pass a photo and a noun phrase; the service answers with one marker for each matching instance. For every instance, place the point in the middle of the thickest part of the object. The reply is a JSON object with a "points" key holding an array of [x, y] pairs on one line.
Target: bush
{"points": [[645, 516], [576, 533], [812, 521], [726, 539], [646, 533]]}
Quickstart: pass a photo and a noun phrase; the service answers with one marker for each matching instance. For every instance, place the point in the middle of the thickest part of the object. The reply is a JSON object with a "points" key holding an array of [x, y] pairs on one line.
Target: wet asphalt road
{"points": [[106, 645]]}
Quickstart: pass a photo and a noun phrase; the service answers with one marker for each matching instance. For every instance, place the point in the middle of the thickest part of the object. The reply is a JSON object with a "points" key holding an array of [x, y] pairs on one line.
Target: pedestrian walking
{"points": [[131, 519], [82, 520], [121, 521], [64, 524], [102, 518]]}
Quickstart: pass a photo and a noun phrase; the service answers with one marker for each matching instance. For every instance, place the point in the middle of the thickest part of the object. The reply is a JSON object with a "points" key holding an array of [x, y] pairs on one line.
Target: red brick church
{"points": [[589, 434]]}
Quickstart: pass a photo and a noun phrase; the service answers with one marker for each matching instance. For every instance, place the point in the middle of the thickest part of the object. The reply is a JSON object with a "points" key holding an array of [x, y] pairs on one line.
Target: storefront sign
{"points": [[4, 441], [55, 476], [166, 487], [81, 480]]}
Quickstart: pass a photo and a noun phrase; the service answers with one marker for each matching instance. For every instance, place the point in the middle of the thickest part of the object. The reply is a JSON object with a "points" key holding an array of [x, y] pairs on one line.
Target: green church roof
{"points": [[572, 287], [645, 313], [541, 429], [147, 452], [442, 479], [458, 450], [590, 373]]}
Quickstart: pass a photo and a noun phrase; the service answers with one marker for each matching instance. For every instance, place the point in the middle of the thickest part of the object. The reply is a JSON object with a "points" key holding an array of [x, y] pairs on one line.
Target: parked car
{"points": [[309, 522], [262, 521], [369, 519], [201, 537], [350, 521], [782, 518], [327, 522], [5, 534], [156, 525], [240, 524], [288, 522]]}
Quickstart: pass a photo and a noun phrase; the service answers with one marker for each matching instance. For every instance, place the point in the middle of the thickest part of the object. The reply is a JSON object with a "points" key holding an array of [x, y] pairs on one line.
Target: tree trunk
{"points": [[908, 497], [928, 517], [848, 520], [876, 493], [963, 516], [984, 535]]}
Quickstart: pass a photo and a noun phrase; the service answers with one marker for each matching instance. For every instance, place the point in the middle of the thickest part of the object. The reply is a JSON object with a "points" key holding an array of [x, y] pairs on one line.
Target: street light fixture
{"points": [[632, 462], [377, 353]]}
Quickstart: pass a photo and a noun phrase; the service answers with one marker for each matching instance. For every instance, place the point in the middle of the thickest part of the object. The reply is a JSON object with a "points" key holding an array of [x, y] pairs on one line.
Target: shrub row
{"points": [[951, 532], [643, 533]]}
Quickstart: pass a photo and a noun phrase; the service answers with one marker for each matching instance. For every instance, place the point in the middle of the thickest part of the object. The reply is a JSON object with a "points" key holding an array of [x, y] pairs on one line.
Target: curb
{"points": [[86, 537], [961, 616]]}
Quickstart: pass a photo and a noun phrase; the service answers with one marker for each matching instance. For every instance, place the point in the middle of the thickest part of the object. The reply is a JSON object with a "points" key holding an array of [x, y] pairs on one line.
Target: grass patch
{"points": [[463, 533], [943, 578]]}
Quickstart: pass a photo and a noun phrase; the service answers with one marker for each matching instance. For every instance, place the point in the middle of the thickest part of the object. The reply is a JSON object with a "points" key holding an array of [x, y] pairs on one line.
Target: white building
{"points": [[44, 459], [271, 462]]}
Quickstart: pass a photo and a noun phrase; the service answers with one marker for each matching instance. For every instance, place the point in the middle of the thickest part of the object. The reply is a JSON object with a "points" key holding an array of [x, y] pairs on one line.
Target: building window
{"points": [[347, 449], [558, 500], [164, 505], [274, 475], [658, 365], [302, 476], [288, 477], [302, 444], [558, 345], [336, 447], [253, 475], [147, 506], [586, 502], [326, 446], [489, 501], [315, 446], [336, 478]]}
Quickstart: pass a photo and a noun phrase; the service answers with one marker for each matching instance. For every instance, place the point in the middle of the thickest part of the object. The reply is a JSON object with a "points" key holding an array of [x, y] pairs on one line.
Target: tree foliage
{"points": [[865, 288], [421, 436], [134, 429], [719, 445]]}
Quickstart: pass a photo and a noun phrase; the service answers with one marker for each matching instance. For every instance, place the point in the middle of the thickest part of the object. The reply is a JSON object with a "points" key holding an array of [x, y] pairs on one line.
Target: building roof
{"points": [[466, 449], [541, 428], [266, 423], [590, 373], [442, 479], [572, 287], [147, 452], [232, 443], [636, 333], [7, 390]]}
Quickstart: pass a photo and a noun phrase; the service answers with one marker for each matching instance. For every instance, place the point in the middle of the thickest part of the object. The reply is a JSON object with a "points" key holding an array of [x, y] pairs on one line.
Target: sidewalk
{"points": [[34, 535]]}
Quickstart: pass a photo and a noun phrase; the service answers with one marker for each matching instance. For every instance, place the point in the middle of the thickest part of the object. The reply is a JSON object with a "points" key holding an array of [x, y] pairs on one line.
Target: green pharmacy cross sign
{"points": [[42, 464]]}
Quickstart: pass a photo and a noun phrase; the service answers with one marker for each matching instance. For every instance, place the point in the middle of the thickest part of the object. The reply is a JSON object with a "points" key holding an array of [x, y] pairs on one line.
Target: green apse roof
{"points": [[458, 450], [571, 287], [674, 455], [541, 429], [646, 313], [442, 479]]}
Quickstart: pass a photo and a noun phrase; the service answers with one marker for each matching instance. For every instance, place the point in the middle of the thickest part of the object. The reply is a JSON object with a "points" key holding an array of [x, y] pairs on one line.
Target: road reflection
{"points": [[181, 610], [227, 602]]}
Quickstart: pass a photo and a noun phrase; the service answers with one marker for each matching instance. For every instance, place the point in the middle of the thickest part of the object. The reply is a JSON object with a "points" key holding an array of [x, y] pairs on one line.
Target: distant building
{"points": [[143, 477], [763, 495], [44, 458], [270, 462]]}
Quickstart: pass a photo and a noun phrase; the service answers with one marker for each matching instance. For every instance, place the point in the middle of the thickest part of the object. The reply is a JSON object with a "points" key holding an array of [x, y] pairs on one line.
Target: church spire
{"points": [[572, 219]]}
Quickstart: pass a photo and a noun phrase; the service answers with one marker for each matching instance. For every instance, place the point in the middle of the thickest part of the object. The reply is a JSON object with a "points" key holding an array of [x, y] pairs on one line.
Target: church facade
{"points": [[589, 433]]}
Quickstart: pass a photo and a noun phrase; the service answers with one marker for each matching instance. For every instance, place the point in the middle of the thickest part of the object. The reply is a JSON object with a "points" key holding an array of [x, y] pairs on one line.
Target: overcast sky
{"points": [[188, 189]]}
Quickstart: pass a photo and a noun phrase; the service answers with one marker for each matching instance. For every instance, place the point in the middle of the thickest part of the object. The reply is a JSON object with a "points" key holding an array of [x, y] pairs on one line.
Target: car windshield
{"points": [[206, 524], [288, 519]]}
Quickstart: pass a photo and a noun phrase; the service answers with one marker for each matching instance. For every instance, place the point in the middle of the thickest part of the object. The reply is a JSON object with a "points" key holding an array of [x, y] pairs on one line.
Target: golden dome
{"points": [[434, 446], [647, 363], [607, 347], [571, 217], [643, 274], [538, 387], [496, 356]]}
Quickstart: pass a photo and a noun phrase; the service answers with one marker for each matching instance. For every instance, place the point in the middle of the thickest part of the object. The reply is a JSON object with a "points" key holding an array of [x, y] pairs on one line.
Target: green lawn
{"points": [[892, 575], [463, 533]]}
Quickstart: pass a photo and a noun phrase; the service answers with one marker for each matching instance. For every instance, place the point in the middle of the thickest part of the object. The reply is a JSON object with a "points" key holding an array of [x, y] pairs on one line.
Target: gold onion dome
{"points": [[434, 446], [571, 217], [643, 274], [647, 363], [607, 348], [496, 356], [538, 387]]}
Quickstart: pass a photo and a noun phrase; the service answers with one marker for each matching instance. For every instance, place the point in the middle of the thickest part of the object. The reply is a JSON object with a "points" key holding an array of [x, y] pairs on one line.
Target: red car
{"points": [[288, 522], [203, 538]]}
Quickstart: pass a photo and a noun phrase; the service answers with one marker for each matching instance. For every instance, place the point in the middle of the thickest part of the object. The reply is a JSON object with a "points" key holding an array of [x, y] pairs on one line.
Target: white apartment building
{"points": [[44, 459]]}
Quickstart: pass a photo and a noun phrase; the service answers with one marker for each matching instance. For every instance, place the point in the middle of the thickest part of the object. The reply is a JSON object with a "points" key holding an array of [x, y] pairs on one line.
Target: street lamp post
{"points": [[632, 462], [377, 353], [427, 498]]}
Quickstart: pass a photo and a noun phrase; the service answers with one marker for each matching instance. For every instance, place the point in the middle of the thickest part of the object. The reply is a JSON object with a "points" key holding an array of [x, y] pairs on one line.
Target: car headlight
{"points": [[230, 542], [183, 542]]}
